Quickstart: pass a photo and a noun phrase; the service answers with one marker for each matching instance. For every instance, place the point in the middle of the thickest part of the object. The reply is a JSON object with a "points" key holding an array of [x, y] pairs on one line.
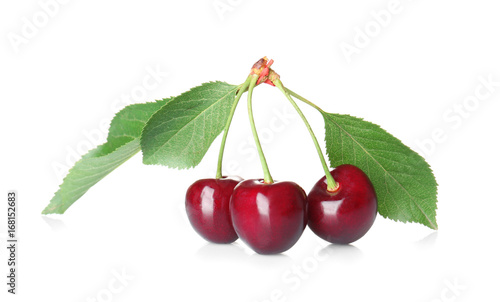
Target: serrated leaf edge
{"points": [[144, 159], [431, 223]]}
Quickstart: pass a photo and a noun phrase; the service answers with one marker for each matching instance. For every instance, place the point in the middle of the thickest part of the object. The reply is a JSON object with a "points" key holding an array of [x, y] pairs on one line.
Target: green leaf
{"points": [[122, 144], [180, 133], [405, 185]]}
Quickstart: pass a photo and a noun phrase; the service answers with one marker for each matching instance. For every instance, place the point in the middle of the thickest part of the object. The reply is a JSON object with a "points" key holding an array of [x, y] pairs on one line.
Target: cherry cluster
{"points": [[270, 216]]}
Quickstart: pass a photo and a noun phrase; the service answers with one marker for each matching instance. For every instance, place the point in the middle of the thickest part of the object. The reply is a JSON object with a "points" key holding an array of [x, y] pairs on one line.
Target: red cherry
{"points": [[347, 214], [207, 207], [270, 218]]}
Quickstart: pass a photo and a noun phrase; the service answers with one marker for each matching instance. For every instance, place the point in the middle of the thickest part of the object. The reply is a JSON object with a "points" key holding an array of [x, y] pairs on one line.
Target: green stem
{"points": [[331, 184], [303, 99], [243, 87], [267, 176]]}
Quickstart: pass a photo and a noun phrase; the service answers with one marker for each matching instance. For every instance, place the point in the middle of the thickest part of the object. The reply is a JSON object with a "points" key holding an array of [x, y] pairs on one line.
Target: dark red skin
{"points": [[207, 207], [347, 214], [270, 218]]}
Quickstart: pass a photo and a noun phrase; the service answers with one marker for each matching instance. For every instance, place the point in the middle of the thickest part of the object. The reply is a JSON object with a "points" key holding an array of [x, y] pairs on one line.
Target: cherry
{"points": [[207, 207], [270, 218], [345, 215]]}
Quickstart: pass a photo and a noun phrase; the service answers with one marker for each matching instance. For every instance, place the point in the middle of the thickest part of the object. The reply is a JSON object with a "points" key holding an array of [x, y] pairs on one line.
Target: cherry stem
{"points": [[267, 175], [331, 184], [243, 87]]}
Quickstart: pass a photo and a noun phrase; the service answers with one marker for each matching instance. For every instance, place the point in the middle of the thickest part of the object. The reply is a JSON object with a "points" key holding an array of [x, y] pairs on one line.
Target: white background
{"points": [[411, 76]]}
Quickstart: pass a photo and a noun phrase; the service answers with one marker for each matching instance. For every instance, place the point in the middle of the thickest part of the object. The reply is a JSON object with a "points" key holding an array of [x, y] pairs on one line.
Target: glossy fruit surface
{"points": [[347, 214], [270, 218], [207, 207]]}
